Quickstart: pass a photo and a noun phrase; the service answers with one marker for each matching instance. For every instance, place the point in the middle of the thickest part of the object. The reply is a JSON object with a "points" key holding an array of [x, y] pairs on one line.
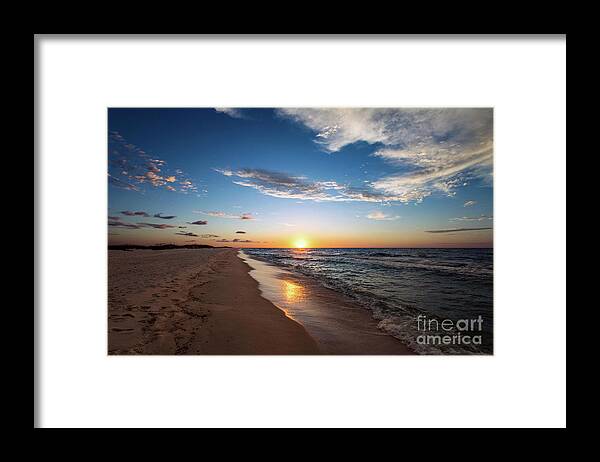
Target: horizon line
{"points": [[307, 248]]}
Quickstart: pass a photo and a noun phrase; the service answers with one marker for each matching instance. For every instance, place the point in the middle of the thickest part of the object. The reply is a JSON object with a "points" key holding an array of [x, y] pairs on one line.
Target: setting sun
{"points": [[300, 243]]}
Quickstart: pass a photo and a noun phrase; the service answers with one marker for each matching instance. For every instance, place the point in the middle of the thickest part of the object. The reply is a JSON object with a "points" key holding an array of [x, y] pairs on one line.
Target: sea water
{"points": [[411, 293]]}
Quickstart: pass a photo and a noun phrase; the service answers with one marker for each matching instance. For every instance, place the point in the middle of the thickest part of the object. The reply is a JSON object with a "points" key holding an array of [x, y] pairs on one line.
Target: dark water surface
{"points": [[404, 286]]}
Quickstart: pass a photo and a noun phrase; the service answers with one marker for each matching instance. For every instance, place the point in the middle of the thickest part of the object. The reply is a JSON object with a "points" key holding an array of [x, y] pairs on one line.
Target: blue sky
{"points": [[274, 177]]}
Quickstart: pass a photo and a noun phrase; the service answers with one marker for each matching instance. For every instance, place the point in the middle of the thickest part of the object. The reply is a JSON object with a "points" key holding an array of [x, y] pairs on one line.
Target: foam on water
{"points": [[398, 285]]}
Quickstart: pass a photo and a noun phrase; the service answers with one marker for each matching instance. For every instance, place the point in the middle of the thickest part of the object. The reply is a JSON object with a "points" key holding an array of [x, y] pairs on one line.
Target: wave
{"points": [[399, 286]]}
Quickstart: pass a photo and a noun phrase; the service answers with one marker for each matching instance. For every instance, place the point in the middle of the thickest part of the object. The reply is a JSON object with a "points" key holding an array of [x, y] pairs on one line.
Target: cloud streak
{"points": [[456, 230], [479, 218], [377, 215], [121, 224], [156, 225], [240, 241], [117, 222], [121, 184], [129, 213], [219, 214], [285, 186]]}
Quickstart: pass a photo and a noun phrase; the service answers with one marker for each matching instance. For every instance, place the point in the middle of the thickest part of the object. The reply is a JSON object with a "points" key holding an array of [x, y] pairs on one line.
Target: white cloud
{"points": [[479, 218], [377, 215], [231, 112], [282, 185], [433, 149], [219, 214], [129, 165], [469, 203]]}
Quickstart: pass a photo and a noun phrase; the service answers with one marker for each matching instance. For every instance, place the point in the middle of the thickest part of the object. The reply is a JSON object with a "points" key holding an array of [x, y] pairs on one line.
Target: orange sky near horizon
{"points": [[482, 238]]}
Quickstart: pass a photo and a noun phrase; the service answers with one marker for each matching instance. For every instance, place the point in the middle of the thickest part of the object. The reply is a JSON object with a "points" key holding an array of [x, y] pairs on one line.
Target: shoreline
{"points": [[338, 324], [199, 302], [223, 302]]}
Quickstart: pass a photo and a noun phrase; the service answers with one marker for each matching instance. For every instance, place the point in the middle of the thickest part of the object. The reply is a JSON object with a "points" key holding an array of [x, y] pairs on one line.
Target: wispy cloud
{"points": [[240, 232], [377, 215], [237, 241], [285, 186], [164, 217], [122, 224], [181, 233], [156, 225], [469, 203], [231, 112], [219, 214], [434, 150], [479, 218], [198, 222], [117, 222], [130, 166], [208, 236], [121, 184], [456, 230], [129, 213]]}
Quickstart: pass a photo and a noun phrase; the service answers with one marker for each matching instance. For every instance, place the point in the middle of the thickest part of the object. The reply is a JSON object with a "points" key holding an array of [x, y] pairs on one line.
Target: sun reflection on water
{"points": [[292, 291]]}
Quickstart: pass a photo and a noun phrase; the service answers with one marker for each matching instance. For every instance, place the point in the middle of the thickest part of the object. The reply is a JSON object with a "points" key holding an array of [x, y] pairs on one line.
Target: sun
{"points": [[301, 243]]}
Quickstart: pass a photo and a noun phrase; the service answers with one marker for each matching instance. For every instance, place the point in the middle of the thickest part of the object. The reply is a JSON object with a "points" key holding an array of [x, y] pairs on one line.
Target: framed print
{"points": [[252, 231]]}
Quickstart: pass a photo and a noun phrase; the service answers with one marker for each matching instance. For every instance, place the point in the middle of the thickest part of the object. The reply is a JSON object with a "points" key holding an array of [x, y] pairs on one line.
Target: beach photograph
{"points": [[243, 231], [300, 231]]}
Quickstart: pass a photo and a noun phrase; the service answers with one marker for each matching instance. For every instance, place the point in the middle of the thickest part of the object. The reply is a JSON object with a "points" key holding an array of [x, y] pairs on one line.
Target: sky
{"points": [[301, 177]]}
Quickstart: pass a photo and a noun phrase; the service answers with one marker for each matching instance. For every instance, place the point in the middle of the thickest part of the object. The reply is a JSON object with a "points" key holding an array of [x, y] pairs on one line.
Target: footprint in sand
{"points": [[120, 317]]}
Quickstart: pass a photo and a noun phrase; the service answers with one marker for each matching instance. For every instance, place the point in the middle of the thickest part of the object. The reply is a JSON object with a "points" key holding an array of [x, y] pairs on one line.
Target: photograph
{"points": [[300, 231], [297, 231]]}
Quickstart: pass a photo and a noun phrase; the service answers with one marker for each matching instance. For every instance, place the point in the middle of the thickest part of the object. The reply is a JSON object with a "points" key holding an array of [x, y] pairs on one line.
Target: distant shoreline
{"points": [[163, 247], [207, 246]]}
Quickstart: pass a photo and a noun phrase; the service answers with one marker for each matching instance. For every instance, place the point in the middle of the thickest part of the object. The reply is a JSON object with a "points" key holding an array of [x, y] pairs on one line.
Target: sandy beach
{"points": [[205, 301], [194, 302]]}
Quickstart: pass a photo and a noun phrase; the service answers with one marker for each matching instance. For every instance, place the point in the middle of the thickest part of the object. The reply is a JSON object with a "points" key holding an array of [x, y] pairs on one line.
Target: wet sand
{"points": [[188, 301], [337, 323]]}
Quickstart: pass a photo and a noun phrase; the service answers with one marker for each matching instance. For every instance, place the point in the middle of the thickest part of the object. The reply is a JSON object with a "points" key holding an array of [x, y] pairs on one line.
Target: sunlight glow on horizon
{"points": [[300, 243]]}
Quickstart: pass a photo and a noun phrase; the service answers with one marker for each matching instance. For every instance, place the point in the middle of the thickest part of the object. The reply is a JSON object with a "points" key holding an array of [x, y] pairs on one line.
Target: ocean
{"points": [[423, 297]]}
